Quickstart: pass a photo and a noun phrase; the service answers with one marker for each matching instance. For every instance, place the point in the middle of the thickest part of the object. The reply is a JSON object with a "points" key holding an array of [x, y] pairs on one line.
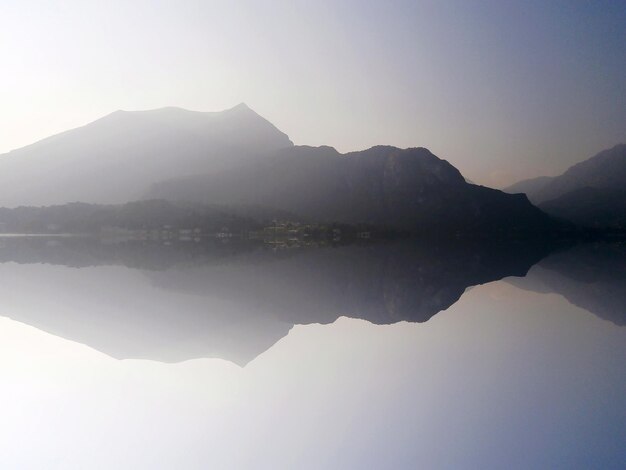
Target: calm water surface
{"points": [[390, 356]]}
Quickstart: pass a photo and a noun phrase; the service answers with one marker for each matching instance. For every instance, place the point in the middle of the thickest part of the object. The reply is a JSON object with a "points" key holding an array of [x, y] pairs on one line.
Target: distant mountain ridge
{"points": [[116, 158], [530, 186], [589, 193], [605, 170]]}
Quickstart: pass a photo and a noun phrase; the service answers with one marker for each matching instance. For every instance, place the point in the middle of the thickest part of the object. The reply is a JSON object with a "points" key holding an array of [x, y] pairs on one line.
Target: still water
{"points": [[381, 356]]}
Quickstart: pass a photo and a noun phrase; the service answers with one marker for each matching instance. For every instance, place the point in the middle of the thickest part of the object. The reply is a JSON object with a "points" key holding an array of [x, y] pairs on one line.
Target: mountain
{"points": [[234, 300], [590, 207], [530, 186], [237, 158], [606, 170], [117, 158], [409, 189], [590, 193]]}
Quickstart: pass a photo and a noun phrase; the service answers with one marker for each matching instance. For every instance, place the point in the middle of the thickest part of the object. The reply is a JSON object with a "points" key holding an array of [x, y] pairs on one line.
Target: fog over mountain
{"points": [[530, 186], [115, 159]]}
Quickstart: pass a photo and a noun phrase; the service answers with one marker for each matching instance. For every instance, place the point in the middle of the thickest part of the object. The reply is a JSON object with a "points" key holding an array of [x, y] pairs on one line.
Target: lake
{"points": [[390, 355]]}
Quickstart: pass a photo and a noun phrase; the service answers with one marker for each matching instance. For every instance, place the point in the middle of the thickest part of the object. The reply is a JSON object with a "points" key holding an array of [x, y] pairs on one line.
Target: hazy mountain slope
{"points": [[591, 207], [606, 170], [530, 186], [410, 189], [116, 158]]}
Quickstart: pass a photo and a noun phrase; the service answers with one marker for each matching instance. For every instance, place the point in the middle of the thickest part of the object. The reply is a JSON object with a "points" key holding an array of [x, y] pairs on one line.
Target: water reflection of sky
{"points": [[505, 378]]}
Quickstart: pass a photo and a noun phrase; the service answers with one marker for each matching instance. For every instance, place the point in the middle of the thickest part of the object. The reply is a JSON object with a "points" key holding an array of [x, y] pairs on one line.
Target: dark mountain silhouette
{"points": [[234, 300], [590, 276], [590, 207], [115, 159], [606, 170], [408, 189]]}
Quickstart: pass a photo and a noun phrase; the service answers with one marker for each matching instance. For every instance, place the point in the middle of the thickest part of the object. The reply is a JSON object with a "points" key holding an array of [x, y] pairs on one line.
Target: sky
{"points": [[504, 90]]}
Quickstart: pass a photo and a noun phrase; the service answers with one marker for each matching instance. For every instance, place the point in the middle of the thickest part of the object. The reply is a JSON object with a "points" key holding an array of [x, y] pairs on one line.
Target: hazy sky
{"points": [[503, 90]]}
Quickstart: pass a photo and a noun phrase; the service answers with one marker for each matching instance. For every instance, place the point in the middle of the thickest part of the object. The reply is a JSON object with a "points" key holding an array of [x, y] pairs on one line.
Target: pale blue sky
{"points": [[503, 90]]}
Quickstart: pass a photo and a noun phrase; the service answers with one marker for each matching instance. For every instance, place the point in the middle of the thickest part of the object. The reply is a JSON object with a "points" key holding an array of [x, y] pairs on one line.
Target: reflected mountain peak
{"points": [[234, 299]]}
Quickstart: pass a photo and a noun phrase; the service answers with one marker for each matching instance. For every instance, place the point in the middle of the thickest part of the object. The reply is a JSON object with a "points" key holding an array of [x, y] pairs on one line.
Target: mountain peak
{"points": [[132, 150], [241, 109], [179, 111]]}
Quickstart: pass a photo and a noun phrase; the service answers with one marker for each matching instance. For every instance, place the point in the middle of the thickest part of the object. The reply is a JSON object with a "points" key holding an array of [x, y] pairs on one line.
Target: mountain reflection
{"points": [[235, 300], [591, 276]]}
